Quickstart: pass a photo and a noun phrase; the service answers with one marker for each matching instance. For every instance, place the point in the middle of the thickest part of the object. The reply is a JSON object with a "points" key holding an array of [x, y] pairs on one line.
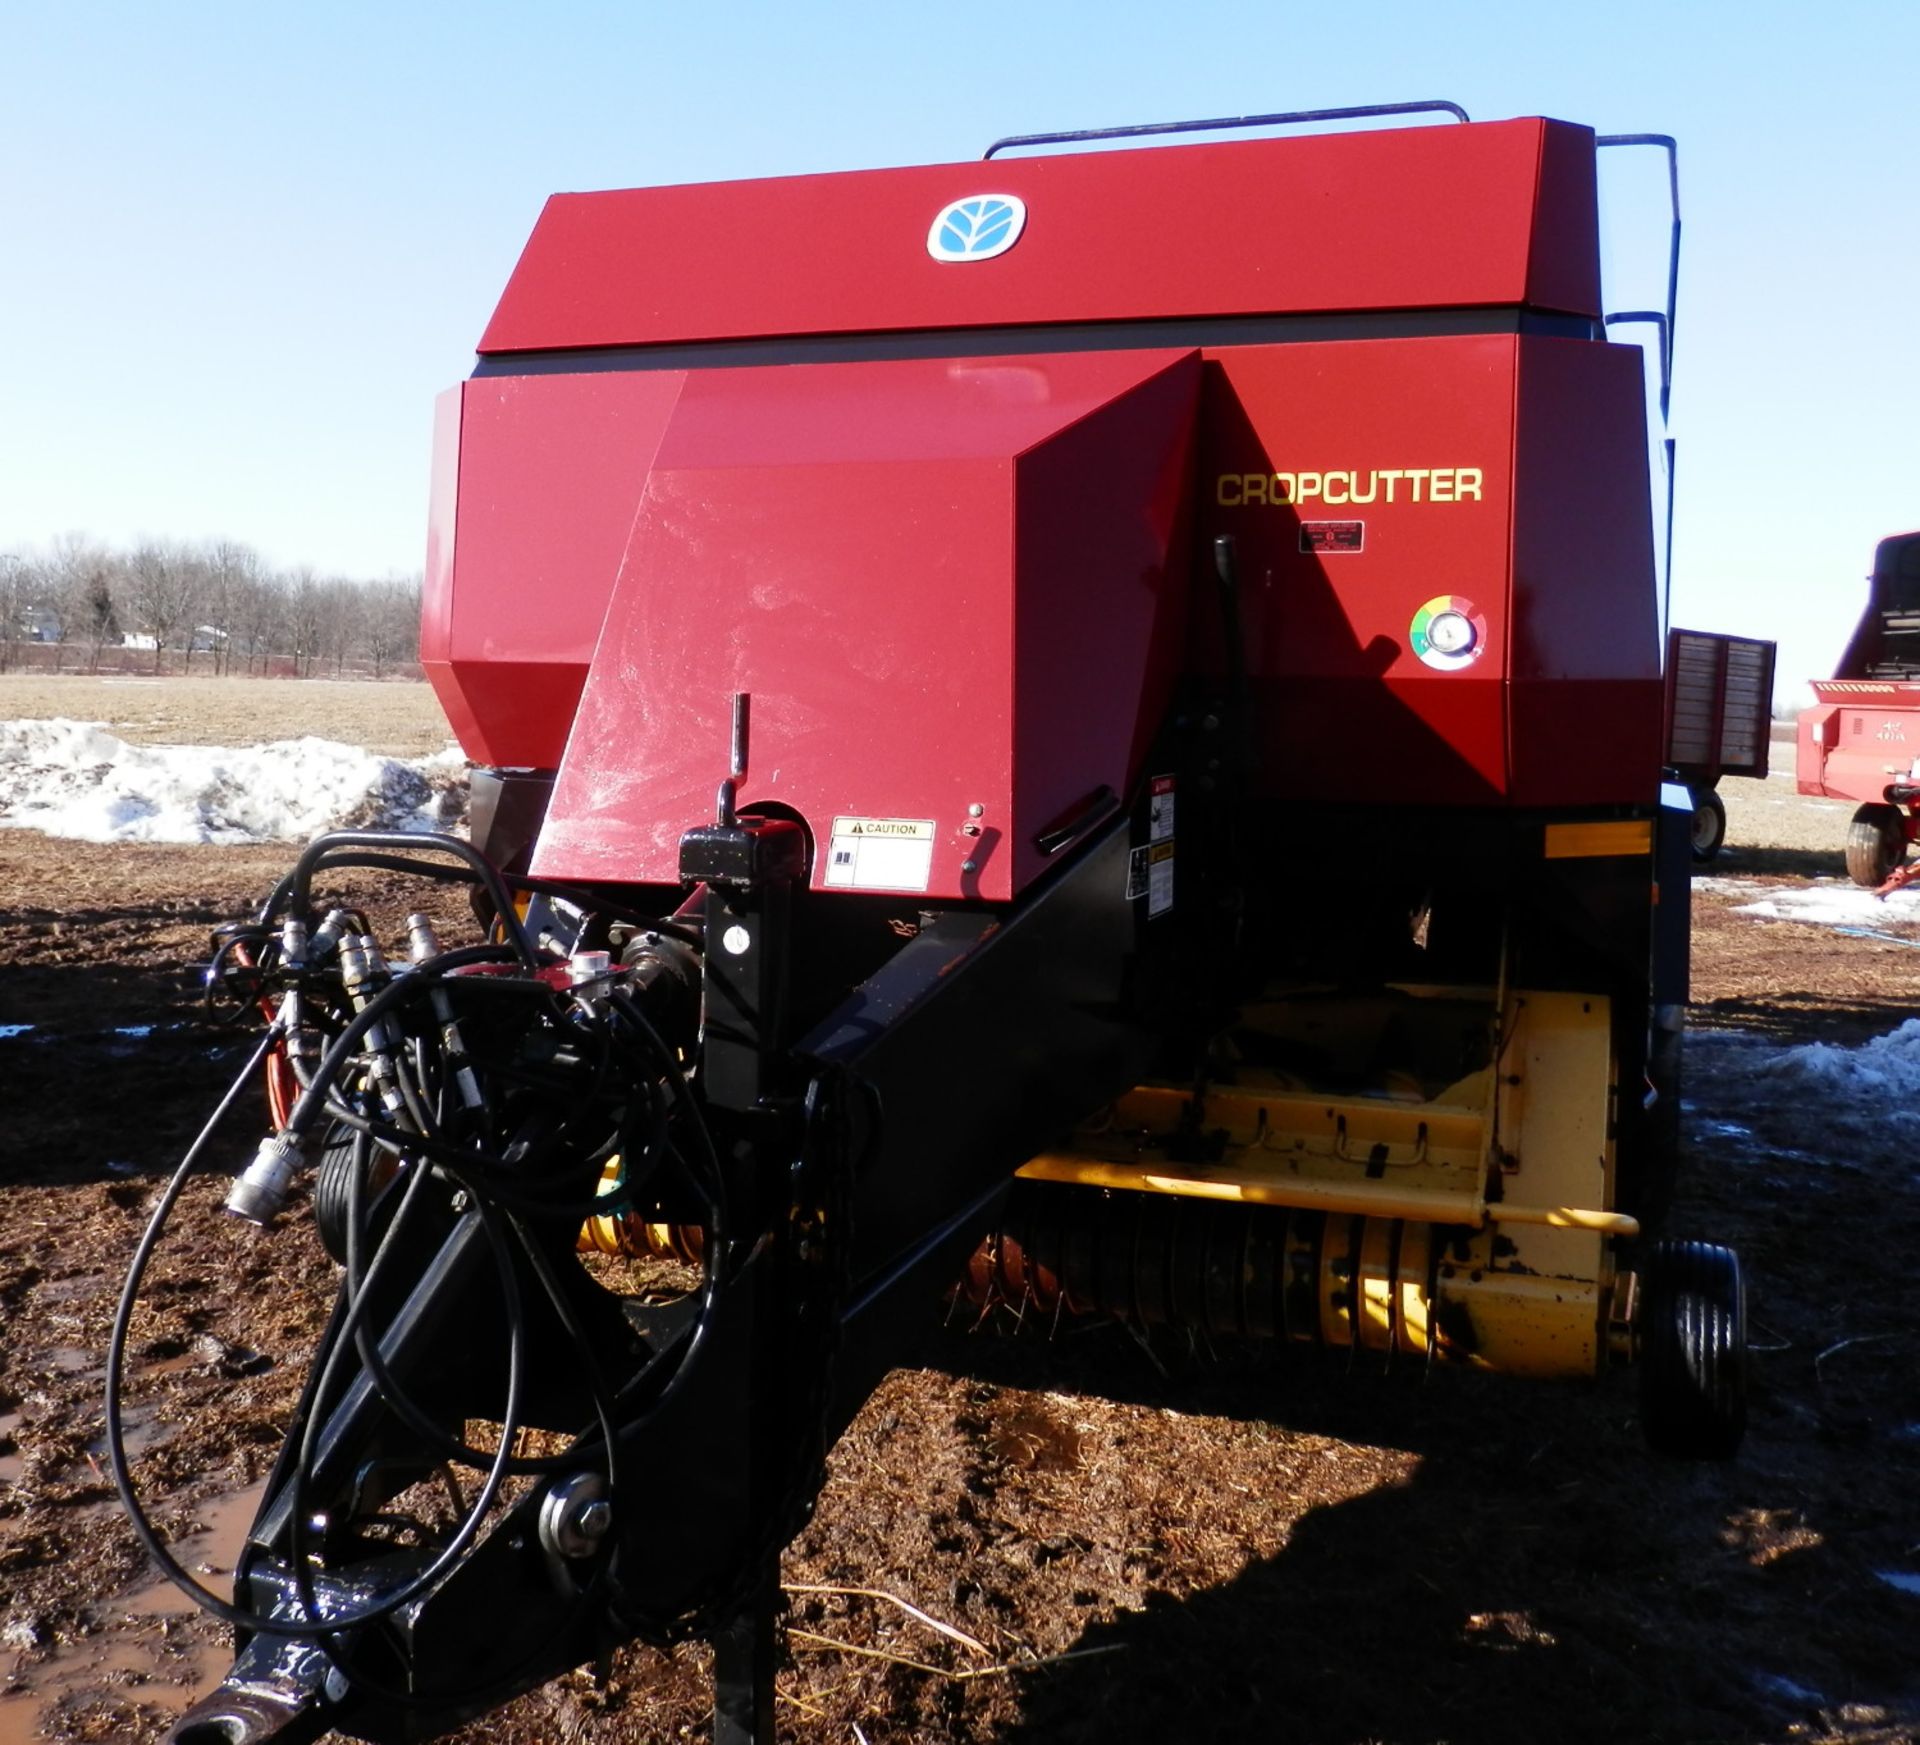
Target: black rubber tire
{"points": [[1876, 844], [1693, 1351], [1709, 831]]}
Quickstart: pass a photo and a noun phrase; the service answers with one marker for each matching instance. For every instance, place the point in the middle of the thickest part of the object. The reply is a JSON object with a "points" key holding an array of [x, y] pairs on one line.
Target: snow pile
{"points": [[1836, 905], [75, 779], [1814, 1109], [1883, 1073]]}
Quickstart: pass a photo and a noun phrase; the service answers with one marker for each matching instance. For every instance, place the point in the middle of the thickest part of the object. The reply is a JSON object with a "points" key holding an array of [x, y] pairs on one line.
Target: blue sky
{"points": [[243, 247]]}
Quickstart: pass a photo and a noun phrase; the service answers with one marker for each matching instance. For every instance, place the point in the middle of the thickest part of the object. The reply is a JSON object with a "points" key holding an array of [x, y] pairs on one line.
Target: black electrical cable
{"points": [[466, 1169], [236, 1616], [312, 1101], [501, 1172], [402, 1403], [572, 1022], [515, 1193], [629, 1008], [393, 1140], [323, 1631], [441, 1151], [713, 1251], [713, 1191], [581, 896], [603, 1399], [240, 1618], [451, 1447], [327, 1637], [403, 845], [317, 1623]]}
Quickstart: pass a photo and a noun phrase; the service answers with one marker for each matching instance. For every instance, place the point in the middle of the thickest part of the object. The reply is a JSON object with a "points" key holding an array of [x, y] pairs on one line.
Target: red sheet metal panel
{"points": [[1322, 461], [1865, 733], [551, 469], [1564, 272], [1863, 736], [947, 586], [1812, 734], [436, 590], [1084, 652], [1586, 702], [1500, 478], [1489, 214]]}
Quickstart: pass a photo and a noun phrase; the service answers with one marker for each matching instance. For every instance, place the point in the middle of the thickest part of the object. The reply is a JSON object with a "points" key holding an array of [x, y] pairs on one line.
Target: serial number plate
{"points": [[1333, 536]]}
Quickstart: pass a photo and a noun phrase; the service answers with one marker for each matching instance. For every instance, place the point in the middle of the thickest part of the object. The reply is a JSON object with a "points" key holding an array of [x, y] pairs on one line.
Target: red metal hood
{"points": [[954, 589], [1496, 213]]}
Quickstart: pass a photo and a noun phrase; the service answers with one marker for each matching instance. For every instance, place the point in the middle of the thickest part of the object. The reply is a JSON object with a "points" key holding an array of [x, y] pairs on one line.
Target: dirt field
{"points": [[1144, 1544], [395, 719]]}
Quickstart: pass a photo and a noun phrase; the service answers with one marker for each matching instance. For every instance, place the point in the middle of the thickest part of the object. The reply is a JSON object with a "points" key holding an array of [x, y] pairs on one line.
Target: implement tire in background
{"points": [[1709, 830], [1876, 844], [1693, 1351]]}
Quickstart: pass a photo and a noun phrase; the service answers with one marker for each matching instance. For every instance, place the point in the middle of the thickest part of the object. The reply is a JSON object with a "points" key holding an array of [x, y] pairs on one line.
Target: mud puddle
{"points": [[142, 1658]]}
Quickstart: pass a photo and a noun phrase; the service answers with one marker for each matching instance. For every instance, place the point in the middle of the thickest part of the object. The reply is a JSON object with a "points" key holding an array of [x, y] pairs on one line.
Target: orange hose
{"points": [[283, 1089]]}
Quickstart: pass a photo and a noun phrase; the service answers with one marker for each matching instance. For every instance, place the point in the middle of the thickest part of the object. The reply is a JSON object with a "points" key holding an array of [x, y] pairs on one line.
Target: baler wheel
{"points": [[1876, 844], [1693, 1352], [1709, 824]]}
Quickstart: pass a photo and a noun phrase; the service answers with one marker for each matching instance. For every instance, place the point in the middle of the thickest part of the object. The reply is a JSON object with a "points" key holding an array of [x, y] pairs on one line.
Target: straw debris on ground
{"points": [[1061, 1536]]}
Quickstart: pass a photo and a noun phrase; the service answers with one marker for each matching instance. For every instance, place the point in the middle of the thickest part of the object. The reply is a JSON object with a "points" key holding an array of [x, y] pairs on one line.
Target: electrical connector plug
{"points": [[261, 1189]]}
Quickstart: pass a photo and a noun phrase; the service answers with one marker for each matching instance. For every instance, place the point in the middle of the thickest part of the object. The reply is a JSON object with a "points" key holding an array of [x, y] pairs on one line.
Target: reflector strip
{"points": [[1586, 841]]}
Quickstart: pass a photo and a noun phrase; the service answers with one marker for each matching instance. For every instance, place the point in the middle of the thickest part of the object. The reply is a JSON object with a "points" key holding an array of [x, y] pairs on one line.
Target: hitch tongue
{"points": [[244, 1714], [280, 1688]]}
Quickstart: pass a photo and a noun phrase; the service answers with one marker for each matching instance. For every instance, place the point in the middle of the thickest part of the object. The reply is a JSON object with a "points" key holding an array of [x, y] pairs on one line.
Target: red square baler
{"points": [[1085, 725]]}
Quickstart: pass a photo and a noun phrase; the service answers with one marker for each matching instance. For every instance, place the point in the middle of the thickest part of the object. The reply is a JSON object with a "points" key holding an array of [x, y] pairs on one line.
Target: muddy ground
{"points": [[1139, 1543]]}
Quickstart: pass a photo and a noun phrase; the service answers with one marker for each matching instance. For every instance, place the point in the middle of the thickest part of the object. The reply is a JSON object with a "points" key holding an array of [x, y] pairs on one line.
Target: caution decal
{"points": [[880, 854]]}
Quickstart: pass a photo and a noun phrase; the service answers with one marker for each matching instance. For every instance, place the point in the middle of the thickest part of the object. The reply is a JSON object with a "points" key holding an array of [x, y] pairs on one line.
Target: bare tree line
{"points": [[212, 606]]}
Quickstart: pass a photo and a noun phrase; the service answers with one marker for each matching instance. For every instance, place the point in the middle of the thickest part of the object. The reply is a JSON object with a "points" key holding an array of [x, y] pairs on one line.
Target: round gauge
{"points": [[1448, 632]]}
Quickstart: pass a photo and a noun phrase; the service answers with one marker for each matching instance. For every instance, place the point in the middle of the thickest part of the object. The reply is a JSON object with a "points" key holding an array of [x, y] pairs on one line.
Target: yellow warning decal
{"points": [[1589, 841]]}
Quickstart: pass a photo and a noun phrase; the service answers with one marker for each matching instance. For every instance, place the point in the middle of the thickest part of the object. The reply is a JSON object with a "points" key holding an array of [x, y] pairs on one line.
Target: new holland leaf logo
{"points": [[977, 228]]}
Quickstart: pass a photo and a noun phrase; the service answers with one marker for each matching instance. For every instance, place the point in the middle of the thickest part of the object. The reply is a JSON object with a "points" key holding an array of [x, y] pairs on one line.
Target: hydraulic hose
{"points": [[296, 887], [633, 1100]]}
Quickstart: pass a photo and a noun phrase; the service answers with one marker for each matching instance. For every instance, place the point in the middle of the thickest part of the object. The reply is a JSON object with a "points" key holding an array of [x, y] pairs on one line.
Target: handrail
{"points": [[1653, 318], [1216, 123], [1665, 142]]}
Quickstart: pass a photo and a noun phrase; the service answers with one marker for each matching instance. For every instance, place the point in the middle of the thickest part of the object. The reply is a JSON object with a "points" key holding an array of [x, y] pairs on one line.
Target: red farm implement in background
{"points": [[1861, 739], [1719, 721], [933, 643]]}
